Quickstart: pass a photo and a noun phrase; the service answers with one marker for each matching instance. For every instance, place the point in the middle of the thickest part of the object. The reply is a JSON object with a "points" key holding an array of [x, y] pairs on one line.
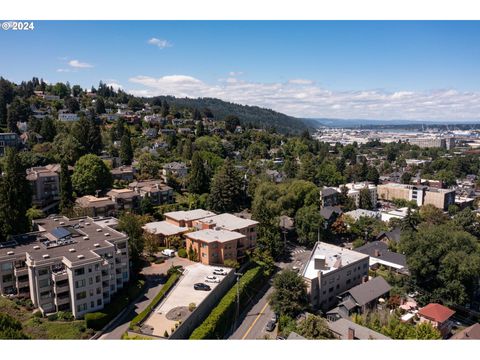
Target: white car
{"points": [[219, 272], [168, 252], [212, 279]]}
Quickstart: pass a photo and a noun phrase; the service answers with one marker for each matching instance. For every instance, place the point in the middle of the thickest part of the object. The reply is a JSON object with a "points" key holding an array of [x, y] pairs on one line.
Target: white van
{"points": [[168, 252]]}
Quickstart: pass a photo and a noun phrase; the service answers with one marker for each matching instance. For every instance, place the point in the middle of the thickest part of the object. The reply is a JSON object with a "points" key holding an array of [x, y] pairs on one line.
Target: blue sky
{"points": [[359, 69]]}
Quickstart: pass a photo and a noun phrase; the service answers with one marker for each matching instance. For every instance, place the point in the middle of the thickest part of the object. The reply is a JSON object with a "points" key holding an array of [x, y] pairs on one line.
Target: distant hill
{"points": [[259, 117], [349, 123]]}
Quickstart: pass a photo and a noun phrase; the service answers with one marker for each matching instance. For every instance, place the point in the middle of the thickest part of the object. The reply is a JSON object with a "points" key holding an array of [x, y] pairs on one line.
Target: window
{"points": [[91, 292], [349, 272], [79, 283], [43, 283], [330, 290], [42, 272], [81, 295], [338, 286], [82, 307], [45, 295], [99, 302], [204, 255], [8, 278], [7, 266], [99, 291], [97, 266], [79, 271], [92, 304], [90, 281], [365, 265], [90, 269], [348, 281], [97, 278], [125, 275]]}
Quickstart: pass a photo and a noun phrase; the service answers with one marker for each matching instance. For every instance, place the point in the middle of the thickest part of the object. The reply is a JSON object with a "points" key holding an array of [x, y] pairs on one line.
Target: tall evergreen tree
{"points": [[6, 96], [198, 181], [18, 111], [200, 129], [100, 106], [48, 130], [66, 188], [226, 189], [126, 151], [15, 197]]}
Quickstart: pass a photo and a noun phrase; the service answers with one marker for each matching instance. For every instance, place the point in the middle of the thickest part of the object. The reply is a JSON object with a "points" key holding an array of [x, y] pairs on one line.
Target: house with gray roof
{"points": [[345, 329], [381, 255]]}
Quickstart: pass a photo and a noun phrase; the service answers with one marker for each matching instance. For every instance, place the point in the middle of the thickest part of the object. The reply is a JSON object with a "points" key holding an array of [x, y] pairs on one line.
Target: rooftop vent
{"points": [[80, 256], [85, 238], [10, 253], [87, 223], [71, 250], [55, 219], [81, 220], [62, 222], [96, 245], [107, 234], [46, 256], [36, 247], [99, 230]]}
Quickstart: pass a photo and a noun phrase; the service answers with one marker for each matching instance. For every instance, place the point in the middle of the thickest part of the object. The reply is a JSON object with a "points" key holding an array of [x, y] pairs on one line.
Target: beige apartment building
{"points": [[95, 206], [45, 183], [422, 195], [66, 265], [330, 271], [158, 192]]}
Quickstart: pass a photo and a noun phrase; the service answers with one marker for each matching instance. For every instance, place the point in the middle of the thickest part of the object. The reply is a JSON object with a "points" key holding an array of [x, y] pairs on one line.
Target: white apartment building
{"points": [[355, 188], [66, 265], [67, 117], [332, 270]]}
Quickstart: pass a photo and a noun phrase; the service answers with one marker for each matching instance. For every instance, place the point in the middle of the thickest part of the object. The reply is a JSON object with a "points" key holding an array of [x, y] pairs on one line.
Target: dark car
{"points": [[270, 325], [201, 286]]}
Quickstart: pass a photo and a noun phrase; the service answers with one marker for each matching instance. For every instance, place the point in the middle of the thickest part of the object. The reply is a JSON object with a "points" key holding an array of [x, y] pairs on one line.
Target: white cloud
{"points": [[235, 73], [300, 81], [80, 65], [306, 99], [115, 85], [162, 44]]}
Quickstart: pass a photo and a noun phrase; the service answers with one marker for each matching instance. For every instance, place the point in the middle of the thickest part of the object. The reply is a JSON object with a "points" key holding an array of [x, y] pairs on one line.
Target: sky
{"points": [[413, 70]]}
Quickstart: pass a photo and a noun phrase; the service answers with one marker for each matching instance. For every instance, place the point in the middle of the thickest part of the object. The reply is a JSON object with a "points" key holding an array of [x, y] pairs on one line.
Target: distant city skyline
{"points": [[426, 70]]}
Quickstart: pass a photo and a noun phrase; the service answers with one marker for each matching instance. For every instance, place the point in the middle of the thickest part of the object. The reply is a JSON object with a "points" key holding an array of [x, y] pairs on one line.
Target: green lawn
{"points": [[42, 328]]}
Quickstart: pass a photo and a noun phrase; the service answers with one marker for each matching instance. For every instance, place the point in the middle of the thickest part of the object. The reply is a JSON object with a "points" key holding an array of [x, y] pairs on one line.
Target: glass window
{"points": [[7, 266], [79, 271], [99, 302], [42, 272], [44, 282], [8, 278], [81, 295]]}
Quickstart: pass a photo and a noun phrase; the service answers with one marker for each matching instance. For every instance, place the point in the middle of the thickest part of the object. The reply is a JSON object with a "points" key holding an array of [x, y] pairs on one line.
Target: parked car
{"points": [[274, 317], [201, 286], [219, 272], [270, 326], [212, 279], [168, 252]]}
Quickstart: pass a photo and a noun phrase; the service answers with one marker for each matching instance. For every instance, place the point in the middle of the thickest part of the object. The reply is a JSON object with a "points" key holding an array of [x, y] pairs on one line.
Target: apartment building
{"points": [[214, 246], [355, 188], [330, 271], [422, 195], [124, 199], [232, 223], [123, 173], [45, 182], [158, 192], [95, 206], [428, 142], [176, 169], [186, 218], [66, 264], [8, 140]]}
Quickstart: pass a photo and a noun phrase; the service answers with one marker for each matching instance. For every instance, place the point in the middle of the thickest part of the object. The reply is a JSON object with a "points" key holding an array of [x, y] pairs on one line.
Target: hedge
{"points": [[219, 322], [98, 320], [156, 300]]}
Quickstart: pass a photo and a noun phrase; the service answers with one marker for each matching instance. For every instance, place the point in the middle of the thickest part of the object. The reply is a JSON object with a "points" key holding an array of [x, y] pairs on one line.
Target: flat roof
{"points": [[92, 201], [189, 215], [229, 221], [335, 257], [164, 228], [35, 243], [211, 235]]}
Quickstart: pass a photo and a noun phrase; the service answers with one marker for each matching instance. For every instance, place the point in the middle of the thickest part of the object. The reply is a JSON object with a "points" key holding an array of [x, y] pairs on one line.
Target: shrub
{"points": [[192, 306], [96, 320], [65, 316], [220, 319], [52, 317], [159, 260], [231, 263], [156, 300], [165, 334], [182, 253]]}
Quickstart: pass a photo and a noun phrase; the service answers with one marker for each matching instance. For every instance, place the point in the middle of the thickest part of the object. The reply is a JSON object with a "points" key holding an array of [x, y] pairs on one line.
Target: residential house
{"points": [[469, 333], [74, 265], [438, 316], [329, 197], [276, 176], [330, 213], [123, 173], [390, 236], [345, 329], [330, 271], [176, 169], [381, 255], [162, 230], [151, 133], [63, 116], [361, 298]]}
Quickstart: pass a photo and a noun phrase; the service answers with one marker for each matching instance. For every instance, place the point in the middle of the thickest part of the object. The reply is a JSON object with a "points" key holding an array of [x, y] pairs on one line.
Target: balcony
{"points": [[21, 271], [59, 276], [22, 281], [62, 300], [61, 286]]}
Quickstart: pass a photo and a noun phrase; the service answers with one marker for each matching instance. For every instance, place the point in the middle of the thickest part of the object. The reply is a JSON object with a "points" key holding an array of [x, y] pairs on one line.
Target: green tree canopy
{"points": [[198, 180], [91, 174], [226, 190], [289, 295]]}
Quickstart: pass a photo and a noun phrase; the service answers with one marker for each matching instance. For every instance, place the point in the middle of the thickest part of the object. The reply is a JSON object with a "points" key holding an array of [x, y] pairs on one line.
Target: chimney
{"points": [[351, 334], [376, 253], [364, 279]]}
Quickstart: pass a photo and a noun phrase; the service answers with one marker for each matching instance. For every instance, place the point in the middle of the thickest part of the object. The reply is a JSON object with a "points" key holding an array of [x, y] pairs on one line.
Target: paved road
{"points": [[254, 322], [154, 284]]}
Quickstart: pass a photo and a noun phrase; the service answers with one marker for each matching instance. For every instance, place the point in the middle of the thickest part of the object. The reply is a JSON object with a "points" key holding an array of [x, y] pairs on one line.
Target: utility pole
{"points": [[238, 299]]}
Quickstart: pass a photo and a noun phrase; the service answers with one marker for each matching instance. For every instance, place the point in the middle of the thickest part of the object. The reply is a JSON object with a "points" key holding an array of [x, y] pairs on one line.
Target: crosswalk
{"points": [[298, 251]]}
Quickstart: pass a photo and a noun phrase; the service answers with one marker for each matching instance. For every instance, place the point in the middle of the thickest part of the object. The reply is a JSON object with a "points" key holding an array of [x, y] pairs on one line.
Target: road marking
{"points": [[254, 321]]}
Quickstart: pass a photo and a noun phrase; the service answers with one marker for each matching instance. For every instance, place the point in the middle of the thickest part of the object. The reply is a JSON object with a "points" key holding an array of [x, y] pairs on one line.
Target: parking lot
{"points": [[175, 307]]}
